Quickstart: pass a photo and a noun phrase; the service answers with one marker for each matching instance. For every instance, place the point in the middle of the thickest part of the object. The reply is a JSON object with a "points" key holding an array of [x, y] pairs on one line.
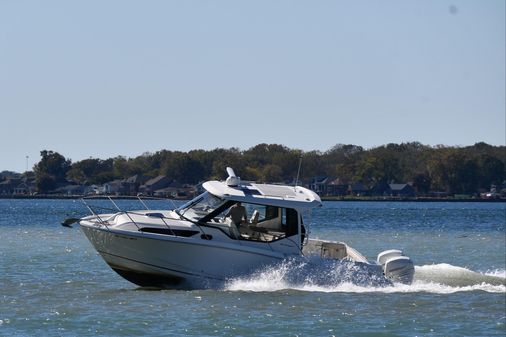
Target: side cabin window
{"points": [[290, 221], [264, 223]]}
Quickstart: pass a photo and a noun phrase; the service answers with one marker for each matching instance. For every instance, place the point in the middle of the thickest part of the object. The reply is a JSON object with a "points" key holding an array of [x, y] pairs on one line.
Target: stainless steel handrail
{"points": [[125, 212], [129, 213]]}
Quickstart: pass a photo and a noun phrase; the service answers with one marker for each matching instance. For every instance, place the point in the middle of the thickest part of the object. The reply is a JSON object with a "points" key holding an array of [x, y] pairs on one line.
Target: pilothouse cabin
{"points": [[272, 212]]}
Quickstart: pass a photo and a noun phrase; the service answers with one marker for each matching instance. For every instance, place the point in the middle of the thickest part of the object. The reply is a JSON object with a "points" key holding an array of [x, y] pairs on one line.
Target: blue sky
{"points": [[108, 78]]}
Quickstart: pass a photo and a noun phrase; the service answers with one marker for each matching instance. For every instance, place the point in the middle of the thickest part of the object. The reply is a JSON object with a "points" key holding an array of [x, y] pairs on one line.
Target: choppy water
{"points": [[53, 283]]}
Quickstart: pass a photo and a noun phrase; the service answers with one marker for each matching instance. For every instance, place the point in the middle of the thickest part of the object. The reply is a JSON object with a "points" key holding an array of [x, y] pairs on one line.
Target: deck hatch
{"points": [[276, 191]]}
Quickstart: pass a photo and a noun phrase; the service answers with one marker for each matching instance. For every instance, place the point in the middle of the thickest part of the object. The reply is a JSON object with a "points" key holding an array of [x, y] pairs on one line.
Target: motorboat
{"points": [[198, 243]]}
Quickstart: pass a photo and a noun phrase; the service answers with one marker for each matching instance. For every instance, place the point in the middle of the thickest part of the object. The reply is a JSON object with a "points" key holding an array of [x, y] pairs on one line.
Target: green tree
{"points": [[183, 168], [227, 157], [252, 173], [422, 182], [93, 171], [51, 170], [443, 168], [272, 173], [491, 171]]}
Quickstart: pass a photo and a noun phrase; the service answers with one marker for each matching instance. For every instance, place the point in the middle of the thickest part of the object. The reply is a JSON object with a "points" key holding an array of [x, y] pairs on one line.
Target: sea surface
{"points": [[53, 283]]}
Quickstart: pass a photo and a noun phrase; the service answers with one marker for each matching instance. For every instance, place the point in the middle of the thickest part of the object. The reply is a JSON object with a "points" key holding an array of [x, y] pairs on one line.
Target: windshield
{"points": [[200, 206]]}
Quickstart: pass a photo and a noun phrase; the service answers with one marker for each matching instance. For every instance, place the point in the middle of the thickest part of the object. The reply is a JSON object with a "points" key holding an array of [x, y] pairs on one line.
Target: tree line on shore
{"points": [[454, 170]]}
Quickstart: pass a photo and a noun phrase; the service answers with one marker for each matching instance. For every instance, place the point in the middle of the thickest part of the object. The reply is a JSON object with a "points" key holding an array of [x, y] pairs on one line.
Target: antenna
{"points": [[230, 172], [298, 172]]}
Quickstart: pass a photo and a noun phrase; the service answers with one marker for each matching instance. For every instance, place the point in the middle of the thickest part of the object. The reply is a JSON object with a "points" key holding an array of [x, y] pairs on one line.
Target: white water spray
{"points": [[353, 278]]}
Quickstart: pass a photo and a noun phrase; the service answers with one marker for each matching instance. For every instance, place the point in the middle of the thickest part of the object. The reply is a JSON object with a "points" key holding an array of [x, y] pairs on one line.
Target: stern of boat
{"points": [[394, 265]]}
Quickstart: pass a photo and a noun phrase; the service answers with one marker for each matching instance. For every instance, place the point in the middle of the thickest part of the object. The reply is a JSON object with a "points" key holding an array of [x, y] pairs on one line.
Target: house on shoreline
{"points": [[400, 190], [14, 184]]}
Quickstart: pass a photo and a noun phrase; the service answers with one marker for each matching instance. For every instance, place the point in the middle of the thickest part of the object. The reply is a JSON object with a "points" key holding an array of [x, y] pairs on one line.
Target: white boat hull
{"points": [[210, 239], [170, 261]]}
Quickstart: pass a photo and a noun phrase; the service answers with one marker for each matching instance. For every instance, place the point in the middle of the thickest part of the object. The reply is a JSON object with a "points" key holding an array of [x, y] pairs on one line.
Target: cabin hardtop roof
{"points": [[269, 194]]}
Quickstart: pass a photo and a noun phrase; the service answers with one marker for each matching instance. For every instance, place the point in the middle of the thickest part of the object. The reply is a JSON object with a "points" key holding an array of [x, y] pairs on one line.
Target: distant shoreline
{"points": [[344, 199], [393, 199]]}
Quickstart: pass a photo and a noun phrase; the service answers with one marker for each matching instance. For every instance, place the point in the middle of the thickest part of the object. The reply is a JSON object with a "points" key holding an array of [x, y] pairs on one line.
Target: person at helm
{"points": [[237, 213]]}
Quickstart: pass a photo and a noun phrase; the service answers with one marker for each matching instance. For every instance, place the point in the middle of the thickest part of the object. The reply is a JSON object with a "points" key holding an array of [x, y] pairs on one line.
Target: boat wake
{"points": [[344, 276], [459, 277]]}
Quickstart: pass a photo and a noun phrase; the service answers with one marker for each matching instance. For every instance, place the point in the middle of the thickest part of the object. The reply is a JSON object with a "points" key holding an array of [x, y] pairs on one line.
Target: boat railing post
{"points": [[133, 221], [200, 228], [142, 202], [109, 197], [102, 222], [172, 202], [162, 218], [167, 225], [126, 212]]}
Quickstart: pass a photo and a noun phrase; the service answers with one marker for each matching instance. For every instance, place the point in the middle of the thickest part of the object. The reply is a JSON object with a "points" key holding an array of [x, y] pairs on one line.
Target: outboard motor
{"points": [[396, 266]]}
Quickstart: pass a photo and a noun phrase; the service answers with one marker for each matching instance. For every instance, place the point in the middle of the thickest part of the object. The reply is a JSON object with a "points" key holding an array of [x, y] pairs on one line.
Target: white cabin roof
{"points": [[266, 194]]}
